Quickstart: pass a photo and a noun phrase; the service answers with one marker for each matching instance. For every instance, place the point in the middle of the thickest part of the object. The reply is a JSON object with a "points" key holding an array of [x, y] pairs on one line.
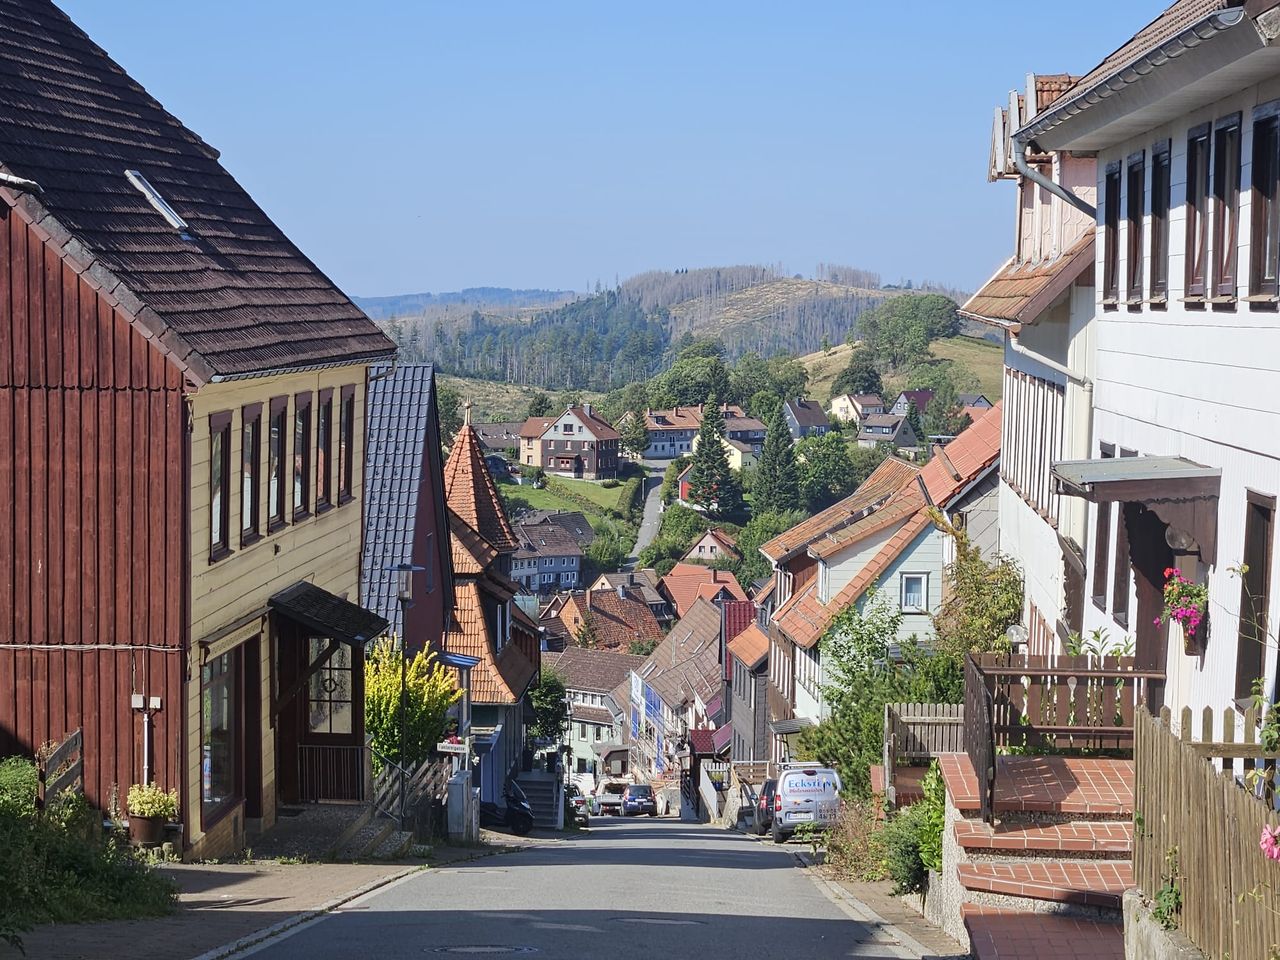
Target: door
{"points": [[1255, 592], [1150, 556]]}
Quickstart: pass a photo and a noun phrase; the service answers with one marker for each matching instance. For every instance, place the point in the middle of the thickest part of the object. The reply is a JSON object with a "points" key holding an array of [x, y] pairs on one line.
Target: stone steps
{"points": [[1072, 840], [1085, 883]]}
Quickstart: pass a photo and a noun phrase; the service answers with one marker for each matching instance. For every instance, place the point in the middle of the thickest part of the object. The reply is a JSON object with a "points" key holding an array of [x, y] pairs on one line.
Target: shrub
{"points": [[18, 782], [148, 800], [854, 848], [610, 483], [933, 818], [429, 692], [902, 849]]}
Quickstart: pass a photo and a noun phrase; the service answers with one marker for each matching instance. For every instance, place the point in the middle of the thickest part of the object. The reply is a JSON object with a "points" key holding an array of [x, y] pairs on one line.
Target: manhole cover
{"points": [[484, 950], [659, 921]]}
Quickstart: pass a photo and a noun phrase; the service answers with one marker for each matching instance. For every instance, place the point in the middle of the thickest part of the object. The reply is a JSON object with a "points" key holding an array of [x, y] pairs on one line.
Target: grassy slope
{"points": [[550, 500], [824, 368], [982, 358], [759, 302], [500, 401]]}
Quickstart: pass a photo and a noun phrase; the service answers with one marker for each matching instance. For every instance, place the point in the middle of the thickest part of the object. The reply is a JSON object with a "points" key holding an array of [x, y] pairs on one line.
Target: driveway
{"points": [[652, 514], [625, 890]]}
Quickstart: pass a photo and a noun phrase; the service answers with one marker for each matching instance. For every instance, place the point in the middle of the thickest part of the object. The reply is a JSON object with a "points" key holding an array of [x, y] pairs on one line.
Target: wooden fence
{"points": [[1190, 800], [61, 770], [915, 733]]}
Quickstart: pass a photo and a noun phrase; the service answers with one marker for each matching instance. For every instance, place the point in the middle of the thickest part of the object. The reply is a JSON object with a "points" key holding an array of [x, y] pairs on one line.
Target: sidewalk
{"points": [[221, 903]]}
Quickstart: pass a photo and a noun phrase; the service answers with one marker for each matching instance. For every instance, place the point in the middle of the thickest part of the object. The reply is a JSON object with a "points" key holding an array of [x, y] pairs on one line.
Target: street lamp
{"points": [[404, 594]]}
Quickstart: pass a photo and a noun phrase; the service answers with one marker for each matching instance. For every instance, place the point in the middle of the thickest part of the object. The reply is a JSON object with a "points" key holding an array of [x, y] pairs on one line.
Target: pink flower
{"points": [[1270, 842]]}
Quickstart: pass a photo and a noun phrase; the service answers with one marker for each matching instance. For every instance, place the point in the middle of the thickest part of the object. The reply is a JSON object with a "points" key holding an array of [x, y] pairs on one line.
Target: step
{"points": [[1063, 839], [906, 782], [1000, 934], [1089, 883], [1076, 785]]}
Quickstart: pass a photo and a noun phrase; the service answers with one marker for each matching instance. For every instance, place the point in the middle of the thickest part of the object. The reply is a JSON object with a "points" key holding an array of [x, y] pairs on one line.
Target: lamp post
{"points": [[404, 594]]}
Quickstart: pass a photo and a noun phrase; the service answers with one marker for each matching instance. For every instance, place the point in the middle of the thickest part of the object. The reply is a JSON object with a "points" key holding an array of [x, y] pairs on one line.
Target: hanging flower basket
{"points": [[1186, 603]]}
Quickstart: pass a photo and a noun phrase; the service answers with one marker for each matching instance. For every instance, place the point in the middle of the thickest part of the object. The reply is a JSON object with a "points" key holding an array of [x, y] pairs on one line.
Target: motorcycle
{"points": [[516, 814]]}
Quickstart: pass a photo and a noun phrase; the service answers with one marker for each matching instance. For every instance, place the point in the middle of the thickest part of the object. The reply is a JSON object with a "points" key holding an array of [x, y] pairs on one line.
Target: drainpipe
{"points": [[1058, 190], [1067, 372]]}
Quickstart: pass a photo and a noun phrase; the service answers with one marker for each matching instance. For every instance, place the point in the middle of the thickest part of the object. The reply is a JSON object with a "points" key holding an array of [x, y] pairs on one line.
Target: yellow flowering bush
{"points": [[429, 692]]}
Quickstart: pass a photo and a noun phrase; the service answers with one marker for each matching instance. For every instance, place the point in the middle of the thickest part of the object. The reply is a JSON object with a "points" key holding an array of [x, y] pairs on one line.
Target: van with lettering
{"points": [[805, 794]]}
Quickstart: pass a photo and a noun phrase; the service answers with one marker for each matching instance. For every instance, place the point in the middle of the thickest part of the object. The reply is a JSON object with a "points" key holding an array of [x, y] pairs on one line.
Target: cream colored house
{"points": [[741, 456]]}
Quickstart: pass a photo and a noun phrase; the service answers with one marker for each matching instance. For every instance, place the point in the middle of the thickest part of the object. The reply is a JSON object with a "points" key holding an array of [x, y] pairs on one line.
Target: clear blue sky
{"points": [[412, 146]]}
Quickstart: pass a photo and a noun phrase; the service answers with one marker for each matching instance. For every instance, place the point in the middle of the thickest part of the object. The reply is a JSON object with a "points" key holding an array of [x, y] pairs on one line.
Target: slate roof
{"points": [[400, 411], [921, 398], [499, 434], [1020, 292], [808, 413], [644, 580], [688, 581], [229, 296], [572, 522], [329, 615], [592, 670], [750, 647], [545, 540], [973, 400], [471, 493], [687, 662], [896, 424]]}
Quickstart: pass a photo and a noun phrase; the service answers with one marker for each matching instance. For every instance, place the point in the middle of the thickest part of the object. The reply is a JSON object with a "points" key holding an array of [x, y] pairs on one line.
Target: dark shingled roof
{"points": [[592, 670], [400, 411], [808, 413], [327, 615], [233, 295]]}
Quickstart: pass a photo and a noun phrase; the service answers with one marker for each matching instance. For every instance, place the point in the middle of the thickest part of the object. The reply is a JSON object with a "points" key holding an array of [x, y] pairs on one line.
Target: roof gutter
{"points": [[1127, 74], [305, 368]]}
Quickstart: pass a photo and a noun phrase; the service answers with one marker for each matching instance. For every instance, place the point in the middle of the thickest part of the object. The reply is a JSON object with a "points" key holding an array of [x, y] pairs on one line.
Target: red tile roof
{"points": [[961, 461], [472, 553], [1020, 292], [738, 615], [499, 677], [688, 581], [616, 620], [593, 670], [471, 494], [535, 427], [702, 742], [750, 647]]}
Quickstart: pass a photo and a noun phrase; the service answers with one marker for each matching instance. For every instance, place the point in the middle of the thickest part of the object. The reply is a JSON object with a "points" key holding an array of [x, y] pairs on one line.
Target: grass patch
{"points": [[538, 499], [607, 499], [824, 368], [982, 358], [492, 400]]}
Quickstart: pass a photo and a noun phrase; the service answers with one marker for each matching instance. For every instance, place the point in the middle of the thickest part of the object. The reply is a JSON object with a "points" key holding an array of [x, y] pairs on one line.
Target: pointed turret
{"points": [[470, 490]]}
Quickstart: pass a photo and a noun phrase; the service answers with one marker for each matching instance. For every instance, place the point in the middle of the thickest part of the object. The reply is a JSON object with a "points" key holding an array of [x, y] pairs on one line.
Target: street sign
{"points": [[447, 747]]}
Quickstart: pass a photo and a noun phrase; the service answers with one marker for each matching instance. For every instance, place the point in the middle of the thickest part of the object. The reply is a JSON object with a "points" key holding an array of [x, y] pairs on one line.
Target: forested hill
{"points": [[627, 334], [409, 304]]}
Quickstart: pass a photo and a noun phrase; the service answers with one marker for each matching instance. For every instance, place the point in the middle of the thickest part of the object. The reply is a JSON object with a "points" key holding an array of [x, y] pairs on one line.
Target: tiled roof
{"points": [[872, 423], [972, 400], [535, 427], [686, 582], [500, 678], [644, 580], [738, 615], [877, 488], [1020, 292], [592, 670], [735, 423], [920, 398], [499, 435], [765, 589], [588, 714], [597, 425], [687, 662], [689, 418], [327, 614], [906, 501], [230, 295], [868, 400], [750, 647], [807, 413], [400, 434], [1050, 86], [471, 552], [617, 621], [572, 522], [961, 461], [470, 491], [702, 742]]}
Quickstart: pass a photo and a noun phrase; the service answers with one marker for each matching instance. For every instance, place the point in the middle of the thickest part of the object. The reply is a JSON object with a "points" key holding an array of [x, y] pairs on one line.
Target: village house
{"points": [[805, 418], [608, 619], [713, 545], [853, 408], [547, 559], [748, 689], [572, 522], [645, 583], [687, 582], [579, 443], [590, 676], [921, 398], [186, 482], [890, 428], [672, 432], [501, 437], [744, 433], [741, 456], [881, 537], [1042, 300], [531, 434]]}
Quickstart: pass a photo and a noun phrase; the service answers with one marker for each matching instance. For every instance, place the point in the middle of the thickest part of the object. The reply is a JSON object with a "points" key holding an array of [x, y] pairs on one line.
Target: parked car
{"points": [[638, 798], [805, 794], [609, 797], [579, 803], [764, 806]]}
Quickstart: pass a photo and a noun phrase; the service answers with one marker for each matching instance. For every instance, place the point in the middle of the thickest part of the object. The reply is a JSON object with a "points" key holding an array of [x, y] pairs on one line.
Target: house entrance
{"points": [[1149, 556]]}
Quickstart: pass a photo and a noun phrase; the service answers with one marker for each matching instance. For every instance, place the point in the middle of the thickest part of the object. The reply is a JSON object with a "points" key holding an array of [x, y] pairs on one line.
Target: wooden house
{"points": [[182, 400]]}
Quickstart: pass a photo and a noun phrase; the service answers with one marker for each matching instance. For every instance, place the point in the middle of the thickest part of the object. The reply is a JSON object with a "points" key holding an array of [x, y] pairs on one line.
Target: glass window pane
{"points": [[275, 453], [249, 477], [217, 492], [218, 707]]}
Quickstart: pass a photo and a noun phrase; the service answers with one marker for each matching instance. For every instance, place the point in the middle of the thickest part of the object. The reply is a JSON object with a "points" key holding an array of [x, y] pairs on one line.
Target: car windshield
{"points": [[642, 791], [614, 788]]}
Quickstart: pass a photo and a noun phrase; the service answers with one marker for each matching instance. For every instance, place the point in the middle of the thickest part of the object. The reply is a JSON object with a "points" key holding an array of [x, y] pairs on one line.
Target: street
{"points": [[652, 514], [638, 888]]}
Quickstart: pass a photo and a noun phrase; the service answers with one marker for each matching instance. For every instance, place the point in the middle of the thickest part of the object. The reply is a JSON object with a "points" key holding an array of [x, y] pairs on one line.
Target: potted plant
{"points": [[1188, 604], [150, 808]]}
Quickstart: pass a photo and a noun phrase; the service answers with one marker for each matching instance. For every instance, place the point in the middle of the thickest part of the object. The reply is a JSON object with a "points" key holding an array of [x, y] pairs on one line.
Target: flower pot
{"points": [[146, 831]]}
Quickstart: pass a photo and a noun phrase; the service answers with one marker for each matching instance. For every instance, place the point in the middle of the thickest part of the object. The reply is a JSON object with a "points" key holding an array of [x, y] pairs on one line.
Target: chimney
{"points": [[631, 578], [588, 599], [587, 409]]}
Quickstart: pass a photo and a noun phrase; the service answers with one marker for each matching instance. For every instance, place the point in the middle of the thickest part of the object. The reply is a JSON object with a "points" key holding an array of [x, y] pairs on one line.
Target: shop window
{"points": [[220, 786]]}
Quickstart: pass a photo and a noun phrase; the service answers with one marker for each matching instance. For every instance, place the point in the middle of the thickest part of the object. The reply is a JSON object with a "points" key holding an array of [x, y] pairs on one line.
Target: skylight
{"points": [[161, 205]]}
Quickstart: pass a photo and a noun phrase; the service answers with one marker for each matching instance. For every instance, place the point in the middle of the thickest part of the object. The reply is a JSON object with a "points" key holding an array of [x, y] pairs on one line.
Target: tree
{"points": [[915, 423], [712, 484], [946, 418], [760, 529], [983, 599], [449, 408], [899, 330], [550, 707], [539, 405], [643, 647], [789, 376], [635, 436], [429, 691], [764, 404], [749, 376], [587, 635], [860, 376], [775, 485], [826, 470]]}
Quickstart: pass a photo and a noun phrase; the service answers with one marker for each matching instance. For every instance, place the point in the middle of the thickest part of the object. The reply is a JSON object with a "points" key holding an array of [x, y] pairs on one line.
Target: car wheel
{"points": [[778, 835], [761, 827]]}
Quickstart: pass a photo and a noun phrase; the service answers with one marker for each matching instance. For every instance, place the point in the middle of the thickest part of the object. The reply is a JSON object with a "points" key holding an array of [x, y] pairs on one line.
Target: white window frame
{"points": [[924, 593]]}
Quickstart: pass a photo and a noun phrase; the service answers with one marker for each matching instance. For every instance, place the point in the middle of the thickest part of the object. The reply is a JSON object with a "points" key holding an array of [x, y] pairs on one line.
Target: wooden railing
{"points": [[1197, 826], [1036, 704], [915, 733]]}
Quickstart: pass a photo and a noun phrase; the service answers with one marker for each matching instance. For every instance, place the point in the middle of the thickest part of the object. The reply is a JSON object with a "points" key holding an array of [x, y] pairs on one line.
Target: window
{"points": [[915, 591], [301, 455], [1135, 189], [1226, 206], [1255, 592], [219, 710], [582, 731], [346, 444], [1265, 232], [219, 485], [1111, 228], [1197, 213], [250, 461], [330, 690], [1102, 542], [1120, 575], [275, 462], [324, 451], [1160, 186]]}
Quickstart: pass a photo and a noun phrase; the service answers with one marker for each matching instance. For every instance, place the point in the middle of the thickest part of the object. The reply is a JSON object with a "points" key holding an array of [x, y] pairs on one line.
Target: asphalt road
{"points": [[652, 514], [639, 888]]}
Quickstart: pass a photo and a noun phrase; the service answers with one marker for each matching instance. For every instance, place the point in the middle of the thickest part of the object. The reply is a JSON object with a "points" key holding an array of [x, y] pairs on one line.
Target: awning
{"points": [[326, 615], [720, 739], [784, 728], [1181, 492], [458, 661]]}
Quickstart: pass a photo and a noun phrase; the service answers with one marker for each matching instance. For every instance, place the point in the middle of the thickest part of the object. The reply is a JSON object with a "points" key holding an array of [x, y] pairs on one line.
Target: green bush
{"points": [[610, 483], [854, 842], [18, 783], [933, 818], [902, 849]]}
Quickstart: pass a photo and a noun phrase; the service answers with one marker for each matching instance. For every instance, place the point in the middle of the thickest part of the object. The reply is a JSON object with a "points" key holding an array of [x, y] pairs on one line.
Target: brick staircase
{"points": [[1047, 878]]}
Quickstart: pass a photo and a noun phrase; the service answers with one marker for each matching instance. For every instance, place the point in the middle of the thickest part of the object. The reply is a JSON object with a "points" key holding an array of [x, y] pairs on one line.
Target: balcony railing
{"points": [[1042, 704]]}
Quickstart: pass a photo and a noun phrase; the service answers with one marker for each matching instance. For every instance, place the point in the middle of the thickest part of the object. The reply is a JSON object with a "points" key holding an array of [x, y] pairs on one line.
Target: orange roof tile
{"points": [[472, 553], [1020, 292], [616, 620], [964, 458], [470, 491], [498, 677], [906, 501], [876, 489], [685, 583], [750, 646], [535, 427]]}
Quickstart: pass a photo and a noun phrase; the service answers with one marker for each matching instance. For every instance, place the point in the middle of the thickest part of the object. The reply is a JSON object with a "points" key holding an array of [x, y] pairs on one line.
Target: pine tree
{"points": [[635, 437], [916, 424], [775, 486], [712, 483]]}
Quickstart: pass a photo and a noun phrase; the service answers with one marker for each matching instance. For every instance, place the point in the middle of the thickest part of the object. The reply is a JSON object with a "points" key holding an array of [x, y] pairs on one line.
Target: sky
{"points": [[432, 146]]}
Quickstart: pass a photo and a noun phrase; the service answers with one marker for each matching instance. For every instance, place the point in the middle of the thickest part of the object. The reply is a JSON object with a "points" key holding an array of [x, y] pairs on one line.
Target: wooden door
{"points": [[1149, 556]]}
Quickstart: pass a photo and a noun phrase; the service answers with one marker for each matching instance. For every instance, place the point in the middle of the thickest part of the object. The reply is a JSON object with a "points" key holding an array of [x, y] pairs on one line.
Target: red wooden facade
{"points": [[92, 522]]}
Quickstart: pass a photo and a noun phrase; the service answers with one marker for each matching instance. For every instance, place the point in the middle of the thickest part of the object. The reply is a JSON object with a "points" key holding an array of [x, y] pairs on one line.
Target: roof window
{"points": [[161, 205]]}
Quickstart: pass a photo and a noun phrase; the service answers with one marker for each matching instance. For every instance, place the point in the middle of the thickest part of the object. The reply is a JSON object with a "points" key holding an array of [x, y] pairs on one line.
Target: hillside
{"points": [[492, 400], [980, 359], [484, 299]]}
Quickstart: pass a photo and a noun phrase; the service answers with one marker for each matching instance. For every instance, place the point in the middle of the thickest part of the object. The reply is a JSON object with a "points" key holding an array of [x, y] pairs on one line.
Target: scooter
{"points": [[516, 814]]}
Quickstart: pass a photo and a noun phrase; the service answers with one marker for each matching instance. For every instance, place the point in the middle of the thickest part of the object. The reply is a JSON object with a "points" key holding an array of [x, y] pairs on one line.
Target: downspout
{"points": [[1035, 176]]}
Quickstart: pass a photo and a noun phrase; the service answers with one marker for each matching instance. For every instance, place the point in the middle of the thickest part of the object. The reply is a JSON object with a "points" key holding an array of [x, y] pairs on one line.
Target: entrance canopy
{"points": [[1181, 492], [326, 615]]}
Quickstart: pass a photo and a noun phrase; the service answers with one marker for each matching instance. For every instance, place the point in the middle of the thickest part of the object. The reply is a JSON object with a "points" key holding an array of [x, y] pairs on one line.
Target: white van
{"points": [[806, 794]]}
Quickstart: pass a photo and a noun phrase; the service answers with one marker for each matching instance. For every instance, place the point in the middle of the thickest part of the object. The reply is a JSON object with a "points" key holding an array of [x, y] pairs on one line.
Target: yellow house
{"points": [[741, 456]]}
